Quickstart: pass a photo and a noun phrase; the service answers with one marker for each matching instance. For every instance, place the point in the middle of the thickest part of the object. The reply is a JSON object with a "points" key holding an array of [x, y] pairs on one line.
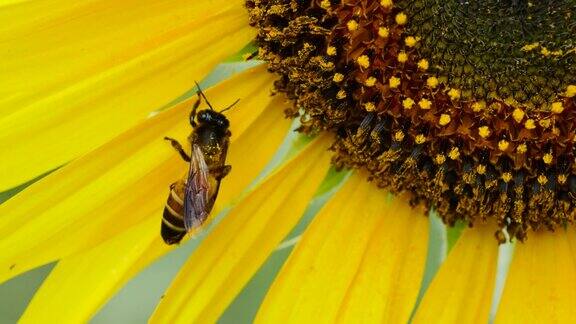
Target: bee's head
{"points": [[213, 118]]}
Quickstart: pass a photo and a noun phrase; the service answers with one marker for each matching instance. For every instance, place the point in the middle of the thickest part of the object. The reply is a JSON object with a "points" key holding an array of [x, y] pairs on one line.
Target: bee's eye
{"points": [[223, 123], [203, 116]]}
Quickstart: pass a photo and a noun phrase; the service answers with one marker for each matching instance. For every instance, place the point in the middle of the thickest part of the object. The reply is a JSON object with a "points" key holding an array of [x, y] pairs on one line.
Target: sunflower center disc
{"points": [[467, 105]]}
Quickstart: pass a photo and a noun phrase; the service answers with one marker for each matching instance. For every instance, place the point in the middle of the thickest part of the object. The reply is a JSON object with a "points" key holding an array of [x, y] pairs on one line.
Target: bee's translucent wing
{"points": [[197, 192]]}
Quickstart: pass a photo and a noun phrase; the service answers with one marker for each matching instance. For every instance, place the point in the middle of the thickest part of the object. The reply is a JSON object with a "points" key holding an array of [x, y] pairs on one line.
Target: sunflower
{"points": [[459, 111]]}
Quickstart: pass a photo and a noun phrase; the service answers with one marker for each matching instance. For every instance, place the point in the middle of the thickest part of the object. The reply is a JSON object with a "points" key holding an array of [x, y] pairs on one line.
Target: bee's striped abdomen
{"points": [[172, 229]]}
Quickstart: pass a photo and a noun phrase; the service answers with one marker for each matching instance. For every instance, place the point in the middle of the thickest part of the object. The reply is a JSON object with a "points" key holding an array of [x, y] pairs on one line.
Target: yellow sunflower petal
{"points": [[78, 285], [88, 279], [231, 254], [540, 286], [84, 75], [462, 290], [361, 260], [120, 183]]}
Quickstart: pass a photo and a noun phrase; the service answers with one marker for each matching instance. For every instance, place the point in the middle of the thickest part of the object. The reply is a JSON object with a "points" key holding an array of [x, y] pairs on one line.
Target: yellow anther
{"points": [[423, 65], [411, 41], [478, 106], [402, 57], [383, 32], [522, 148], [545, 123], [503, 145], [325, 4], [510, 101], [363, 61], [341, 94], [425, 103], [352, 25], [481, 169], [369, 106], [484, 131], [432, 82], [398, 136], [386, 3], [444, 120], [394, 82], [542, 179], [530, 47], [518, 115], [370, 82], [562, 178], [547, 158], [338, 77], [331, 51], [440, 158], [557, 107], [454, 153], [420, 138], [401, 18], [506, 177], [570, 91], [530, 124], [407, 103], [327, 65], [454, 94]]}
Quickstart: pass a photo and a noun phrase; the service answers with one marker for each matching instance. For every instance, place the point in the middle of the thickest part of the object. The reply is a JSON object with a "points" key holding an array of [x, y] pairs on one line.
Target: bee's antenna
{"points": [[203, 96], [232, 105]]}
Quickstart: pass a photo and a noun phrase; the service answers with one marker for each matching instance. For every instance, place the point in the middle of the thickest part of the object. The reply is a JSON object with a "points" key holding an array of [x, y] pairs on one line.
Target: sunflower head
{"points": [[467, 106]]}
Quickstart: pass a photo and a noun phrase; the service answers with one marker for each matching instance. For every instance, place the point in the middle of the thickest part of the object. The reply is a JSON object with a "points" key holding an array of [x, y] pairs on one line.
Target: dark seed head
{"points": [[467, 105]]}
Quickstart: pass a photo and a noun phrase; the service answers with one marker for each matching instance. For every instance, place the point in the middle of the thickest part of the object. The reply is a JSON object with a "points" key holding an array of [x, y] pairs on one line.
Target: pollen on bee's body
{"points": [[475, 119]]}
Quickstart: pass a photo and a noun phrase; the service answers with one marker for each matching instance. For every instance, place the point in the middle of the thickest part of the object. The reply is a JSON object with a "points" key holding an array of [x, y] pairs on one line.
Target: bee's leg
{"points": [[221, 171], [178, 147], [194, 109]]}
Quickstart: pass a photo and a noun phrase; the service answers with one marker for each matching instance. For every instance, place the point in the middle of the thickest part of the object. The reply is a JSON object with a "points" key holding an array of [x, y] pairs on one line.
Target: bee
{"points": [[191, 199]]}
